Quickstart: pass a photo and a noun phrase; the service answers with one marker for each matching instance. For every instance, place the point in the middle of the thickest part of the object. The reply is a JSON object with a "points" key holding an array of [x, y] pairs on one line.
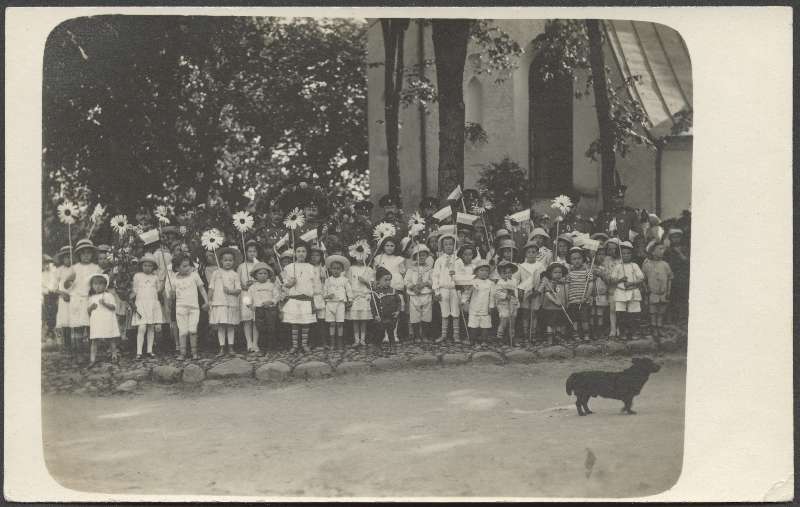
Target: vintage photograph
{"points": [[365, 257]]}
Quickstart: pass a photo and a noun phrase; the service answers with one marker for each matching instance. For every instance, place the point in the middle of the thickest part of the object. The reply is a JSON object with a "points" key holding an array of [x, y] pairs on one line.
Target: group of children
{"points": [[393, 289]]}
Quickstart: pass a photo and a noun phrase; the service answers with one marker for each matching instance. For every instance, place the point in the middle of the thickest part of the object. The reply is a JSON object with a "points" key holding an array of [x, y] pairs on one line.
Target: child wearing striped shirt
{"points": [[578, 296]]}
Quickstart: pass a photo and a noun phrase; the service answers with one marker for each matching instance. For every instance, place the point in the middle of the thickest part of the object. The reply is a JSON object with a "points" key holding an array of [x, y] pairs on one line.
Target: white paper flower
{"points": [[119, 223], [483, 207], [562, 203], [161, 214], [212, 239], [243, 221], [67, 212], [360, 250], [294, 219], [97, 214], [416, 225], [182, 230], [138, 229], [383, 230]]}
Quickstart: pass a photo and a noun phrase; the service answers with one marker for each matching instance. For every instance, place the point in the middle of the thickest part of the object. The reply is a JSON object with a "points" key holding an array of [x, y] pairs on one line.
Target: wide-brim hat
{"points": [[288, 253], [258, 266], [341, 259], [443, 237], [538, 231], [600, 236], [578, 250], [149, 257], [103, 248], [237, 254], [64, 250], [507, 243], [405, 243], [507, 264], [626, 244], [650, 246], [501, 233], [85, 244], [530, 244], [565, 237], [481, 264], [419, 247], [46, 258], [654, 216], [99, 275], [674, 231]]}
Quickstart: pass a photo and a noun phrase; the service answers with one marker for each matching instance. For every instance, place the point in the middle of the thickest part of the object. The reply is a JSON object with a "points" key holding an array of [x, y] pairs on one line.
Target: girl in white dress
{"points": [[316, 258], [147, 314], [224, 289], [248, 314], [77, 282], [102, 317], [62, 315], [361, 277], [299, 308]]}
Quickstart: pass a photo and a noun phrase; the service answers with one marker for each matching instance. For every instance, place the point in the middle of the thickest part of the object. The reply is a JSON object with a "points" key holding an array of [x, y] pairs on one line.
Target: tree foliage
{"points": [[201, 111]]}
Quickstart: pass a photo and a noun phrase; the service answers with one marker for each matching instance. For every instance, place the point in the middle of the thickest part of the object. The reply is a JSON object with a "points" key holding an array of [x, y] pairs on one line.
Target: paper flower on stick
{"points": [[67, 212], [243, 221], [161, 214], [562, 203], [212, 239], [120, 224], [483, 207], [97, 214], [383, 230], [416, 225], [138, 229], [360, 250], [294, 219]]}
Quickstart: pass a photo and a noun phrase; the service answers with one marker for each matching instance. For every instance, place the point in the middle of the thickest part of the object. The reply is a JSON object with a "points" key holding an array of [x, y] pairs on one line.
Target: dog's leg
{"points": [[627, 408], [586, 405], [578, 405]]}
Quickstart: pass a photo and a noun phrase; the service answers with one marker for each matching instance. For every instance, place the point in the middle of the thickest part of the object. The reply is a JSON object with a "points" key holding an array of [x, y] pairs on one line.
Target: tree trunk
{"points": [[393, 41], [603, 109], [450, 38]]}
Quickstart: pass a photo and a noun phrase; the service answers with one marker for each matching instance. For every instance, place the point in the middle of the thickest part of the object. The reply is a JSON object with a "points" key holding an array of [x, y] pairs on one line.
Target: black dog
{"points": [[623, 385]]}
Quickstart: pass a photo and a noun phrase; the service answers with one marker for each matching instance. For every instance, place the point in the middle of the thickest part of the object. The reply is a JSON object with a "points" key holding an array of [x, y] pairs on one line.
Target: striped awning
{"points": [[658, 55]]}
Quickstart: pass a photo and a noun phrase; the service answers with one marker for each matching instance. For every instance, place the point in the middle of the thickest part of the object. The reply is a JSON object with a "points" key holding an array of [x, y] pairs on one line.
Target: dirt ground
{"points": [[476, 430]]}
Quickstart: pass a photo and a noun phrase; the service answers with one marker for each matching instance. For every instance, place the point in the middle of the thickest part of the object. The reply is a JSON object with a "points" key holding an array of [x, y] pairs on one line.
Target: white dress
{"points": [[246, 297], [103, 321], [79, 294], [148, 308], [396, 265], [360, 309], [299, 308], [62, 317]]}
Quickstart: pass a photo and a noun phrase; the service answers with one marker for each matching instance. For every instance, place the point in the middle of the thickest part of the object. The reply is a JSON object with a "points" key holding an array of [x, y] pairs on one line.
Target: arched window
{"points": [[473, 103], [550, 131]]}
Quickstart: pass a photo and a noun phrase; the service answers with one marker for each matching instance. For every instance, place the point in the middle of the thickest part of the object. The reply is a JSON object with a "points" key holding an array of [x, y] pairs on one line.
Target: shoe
{"points": [[195, 357], [138, 357], [221, 352]]}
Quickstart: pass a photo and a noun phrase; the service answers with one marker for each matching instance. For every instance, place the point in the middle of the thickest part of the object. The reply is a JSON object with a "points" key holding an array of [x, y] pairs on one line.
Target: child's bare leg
{"points": [[612, 320], [221, 338], [92, 351], [151, 335], [193, 344], [512, 328], [113, 349], [140, 332]]}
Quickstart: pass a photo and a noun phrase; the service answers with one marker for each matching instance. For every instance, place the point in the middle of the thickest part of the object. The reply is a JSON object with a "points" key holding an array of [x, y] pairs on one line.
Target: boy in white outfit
{"points": [[444, 285]]}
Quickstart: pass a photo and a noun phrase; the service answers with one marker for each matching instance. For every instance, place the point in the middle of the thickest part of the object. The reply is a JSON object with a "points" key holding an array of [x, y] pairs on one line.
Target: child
{"points": [[627, 277], [563, 244], [464, 276], [528, 278], [316, 257], [360, 312], [419, 287], [481, 302], [554, 301], [163, 257], [102, 318], [338, 295], [266, 294], [77, 282], [146, 307], [578, 296], [223, 291], [659, 279], [540, 237], [395, 264], [506, 250], [63, 270], [247, 313], [299, 308], [599, 291], [444, 285], [610, 261], [387, 304], [185, 286], [507, 300]]}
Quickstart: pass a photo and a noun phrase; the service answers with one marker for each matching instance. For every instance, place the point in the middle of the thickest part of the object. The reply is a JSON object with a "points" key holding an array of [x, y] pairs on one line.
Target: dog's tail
{"points": [[570, 384]]}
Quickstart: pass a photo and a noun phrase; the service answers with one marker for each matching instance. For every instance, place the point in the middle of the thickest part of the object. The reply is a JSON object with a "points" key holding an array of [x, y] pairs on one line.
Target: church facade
{"points": [[542, 126]]}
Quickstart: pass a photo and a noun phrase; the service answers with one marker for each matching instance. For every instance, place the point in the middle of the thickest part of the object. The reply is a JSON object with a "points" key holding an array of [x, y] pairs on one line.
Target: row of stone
{"points": [[278, 371]]}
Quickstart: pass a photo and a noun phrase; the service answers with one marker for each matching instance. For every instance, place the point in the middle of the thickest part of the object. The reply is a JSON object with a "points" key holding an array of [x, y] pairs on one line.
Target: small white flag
{"points": [[443, 214], [466, 218], [521, 216], [446, 229], [309, 236], [455, 194], [149, 237], [282, 241]]}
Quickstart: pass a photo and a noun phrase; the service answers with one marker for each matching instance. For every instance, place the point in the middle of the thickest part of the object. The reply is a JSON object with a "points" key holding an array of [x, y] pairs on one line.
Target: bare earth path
{"points": [[477, 430]]}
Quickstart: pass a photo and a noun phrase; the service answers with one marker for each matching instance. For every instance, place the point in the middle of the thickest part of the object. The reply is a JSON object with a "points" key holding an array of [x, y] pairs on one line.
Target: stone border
{"points": [[104, 379]]}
